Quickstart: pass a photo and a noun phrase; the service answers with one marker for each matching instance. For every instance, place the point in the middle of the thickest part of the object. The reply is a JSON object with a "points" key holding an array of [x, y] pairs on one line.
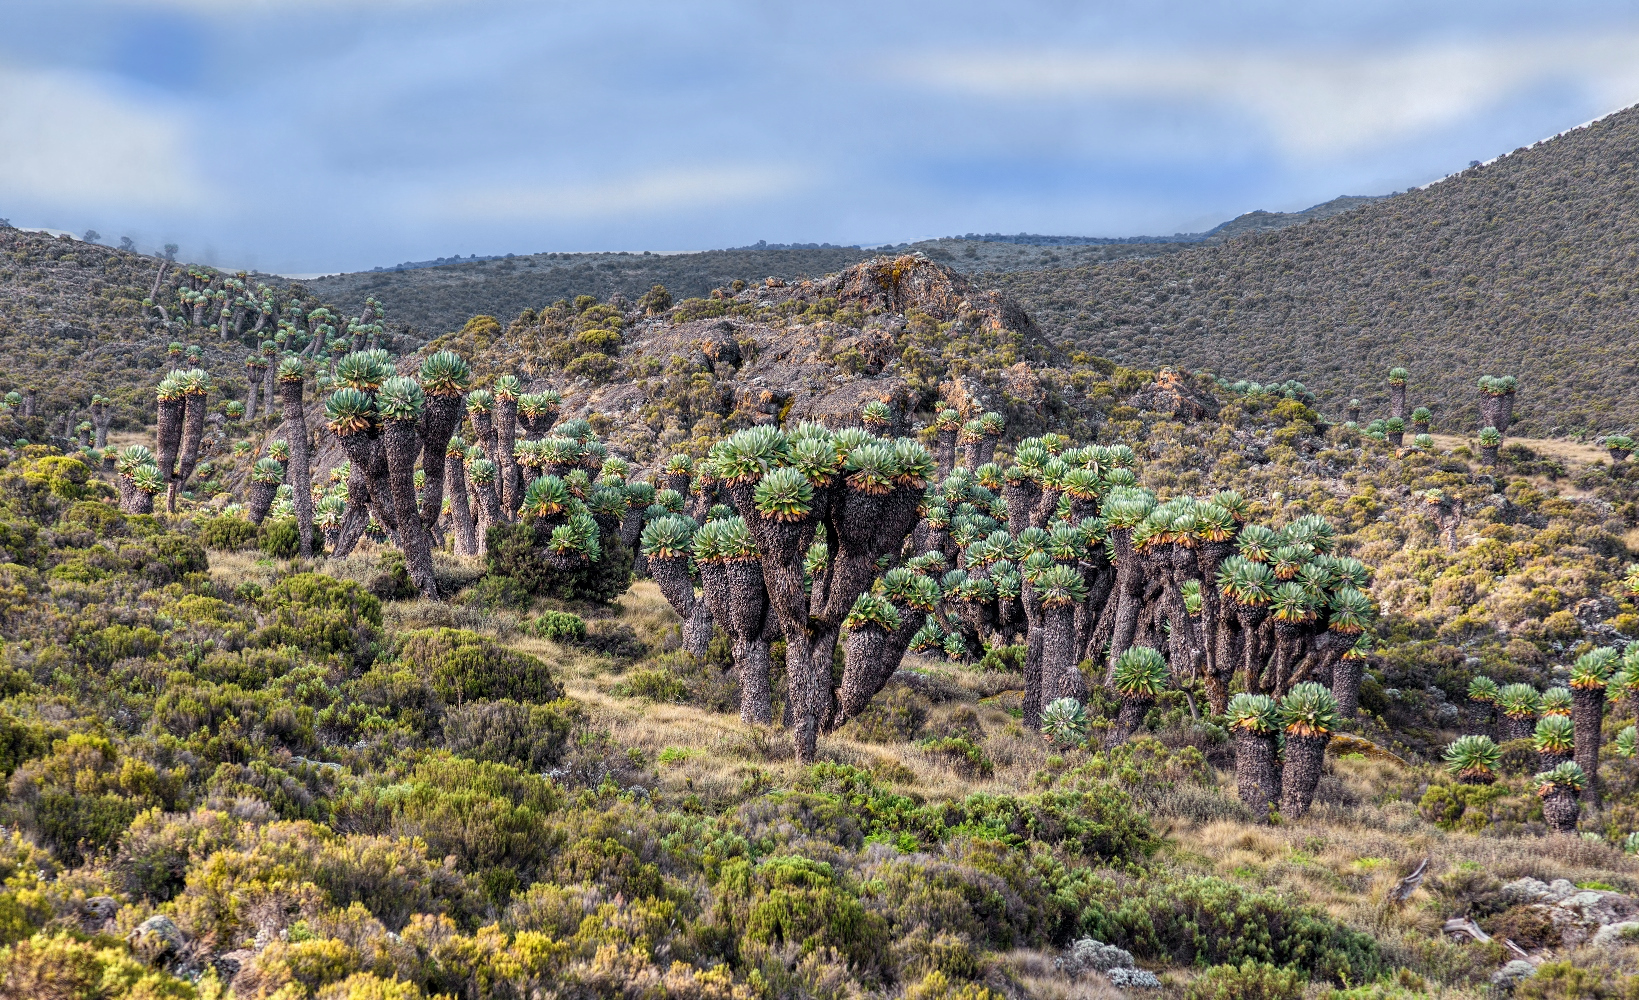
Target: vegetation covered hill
{"points": [[235, 771], [439, 299], [1522, 266]]}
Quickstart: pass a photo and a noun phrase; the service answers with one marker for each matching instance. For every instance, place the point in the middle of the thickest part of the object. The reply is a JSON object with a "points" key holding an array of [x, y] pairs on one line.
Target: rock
{"points": [[1512, 974], [1171, 393], [228, 964], [159, 942], [1615, 935], [97, 912], [1092, 955], [1133, 979]]}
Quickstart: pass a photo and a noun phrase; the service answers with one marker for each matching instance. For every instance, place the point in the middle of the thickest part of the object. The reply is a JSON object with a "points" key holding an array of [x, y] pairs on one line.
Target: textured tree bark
{"points": [[944, 452], [1516, 727], [1559, 809], [401, 444], [1021, 497], [783, 544], [1058, 655], [261, 498], [506, 428], [170, 436], [862, 657], [455, 475], [267, 392], [253, 375], [1346, 686], [1397, 400], [1257, 771], [438, 423], [483, 429], [193, 431], [1305, 759], [1130, 717], [357, 517], [1587, 716], [301, 481]]}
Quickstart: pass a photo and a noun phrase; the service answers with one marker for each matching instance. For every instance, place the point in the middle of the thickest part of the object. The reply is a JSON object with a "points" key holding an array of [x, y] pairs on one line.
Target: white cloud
{"points": [[1316, 104], [640, 194], [66, 140]]}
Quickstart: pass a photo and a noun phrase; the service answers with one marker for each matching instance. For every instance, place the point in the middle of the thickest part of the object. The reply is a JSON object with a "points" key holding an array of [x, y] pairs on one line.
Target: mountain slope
{"points": [[1523, 266]]}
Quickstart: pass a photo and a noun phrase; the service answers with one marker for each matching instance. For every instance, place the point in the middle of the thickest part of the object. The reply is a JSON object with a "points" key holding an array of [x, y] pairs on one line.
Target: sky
{"points": [[313, 136]]}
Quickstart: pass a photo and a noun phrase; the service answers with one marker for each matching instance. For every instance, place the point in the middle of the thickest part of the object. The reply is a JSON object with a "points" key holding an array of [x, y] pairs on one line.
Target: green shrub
{"points": [[392, 580], [496, 593], [960, 754], [1248, 981], [655, 685], [530, 737], [514, 550], [279, 538], [321, 616], [559, 625], [1206, 920], [894, 716], [465, 666], [228, 533]]}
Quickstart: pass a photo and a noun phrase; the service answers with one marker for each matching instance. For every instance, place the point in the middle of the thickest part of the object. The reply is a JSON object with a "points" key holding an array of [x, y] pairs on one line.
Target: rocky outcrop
{"points": [[1576, 915]]}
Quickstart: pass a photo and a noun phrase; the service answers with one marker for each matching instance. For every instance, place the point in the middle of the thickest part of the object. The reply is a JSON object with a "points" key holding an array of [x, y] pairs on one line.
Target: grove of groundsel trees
{"points": [[813, 537]]}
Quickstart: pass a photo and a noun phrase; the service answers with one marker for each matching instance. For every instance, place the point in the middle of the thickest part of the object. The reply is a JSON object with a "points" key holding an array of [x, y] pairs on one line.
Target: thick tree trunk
{"points": [[511, 477], [1257, 771], [357, 517], [1021, 498], [443, 415], [756, 699], [483, 432], [1560, 810], [1548, 761], [261, 498], [1305, 759], [1059, 676], [402, 443], [1516, 727], [301, 480], [1397, 400], [267, 392], [1130, 717], [1587, 716], [193, 431], [455, 475], [944, 452], [673, 577], [169, 436], [128, 494], [254, 376], [489, 512], [1346, 687], [862, 654]]}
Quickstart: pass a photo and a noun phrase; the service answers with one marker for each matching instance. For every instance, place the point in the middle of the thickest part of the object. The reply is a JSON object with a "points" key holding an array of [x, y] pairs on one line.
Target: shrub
{"points": [[321, 616], [495, 593], [229, 533], [514, 550], [559, 625], [279, 538], [530, 737], [960, 754], [1248, 981], [1204, 919], [894, 716], [465, 666]]}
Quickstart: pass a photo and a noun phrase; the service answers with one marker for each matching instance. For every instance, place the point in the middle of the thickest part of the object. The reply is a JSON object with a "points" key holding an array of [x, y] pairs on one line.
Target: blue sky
{"points": [[307, 136]]}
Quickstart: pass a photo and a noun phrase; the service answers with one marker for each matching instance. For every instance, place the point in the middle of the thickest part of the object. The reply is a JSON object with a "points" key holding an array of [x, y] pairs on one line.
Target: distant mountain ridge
{"points": [[1525, 265], [1249, 222]]}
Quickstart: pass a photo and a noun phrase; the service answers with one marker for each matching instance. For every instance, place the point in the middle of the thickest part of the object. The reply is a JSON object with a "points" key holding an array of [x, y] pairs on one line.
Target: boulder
{"points": [[1512, 974], [1171, 393]]}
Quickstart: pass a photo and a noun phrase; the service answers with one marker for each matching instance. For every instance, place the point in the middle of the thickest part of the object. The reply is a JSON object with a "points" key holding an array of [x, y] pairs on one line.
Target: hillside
{"points": [[1522, 266], [234, 771], [439, 299]]}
